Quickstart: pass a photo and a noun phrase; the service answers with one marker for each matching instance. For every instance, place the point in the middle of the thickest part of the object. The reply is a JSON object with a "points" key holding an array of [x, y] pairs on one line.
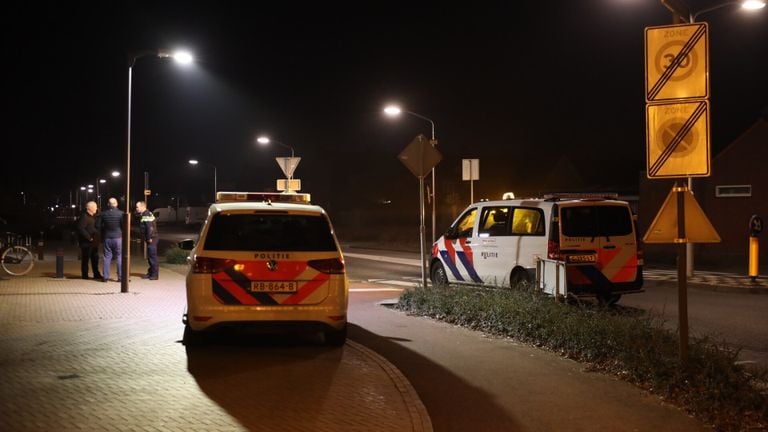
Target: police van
{"points": [[268, 260], [501, 242]]}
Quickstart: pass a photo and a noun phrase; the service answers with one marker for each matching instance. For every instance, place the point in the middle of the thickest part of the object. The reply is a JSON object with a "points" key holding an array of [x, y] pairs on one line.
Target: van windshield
{"points": [[595, 221], [269, 232]]}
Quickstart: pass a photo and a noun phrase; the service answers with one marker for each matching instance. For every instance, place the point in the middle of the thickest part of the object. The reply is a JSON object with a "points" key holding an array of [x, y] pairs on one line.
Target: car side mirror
{"points": [[450, 233], [187, 244]]}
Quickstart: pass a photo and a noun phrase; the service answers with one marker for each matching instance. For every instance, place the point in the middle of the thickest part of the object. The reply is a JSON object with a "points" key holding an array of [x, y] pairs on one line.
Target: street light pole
{"points": [[181, 57], [394, 111], [215, 185]]}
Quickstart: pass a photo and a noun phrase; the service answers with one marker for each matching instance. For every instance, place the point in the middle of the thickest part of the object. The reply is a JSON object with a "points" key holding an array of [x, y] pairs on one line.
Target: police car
{"points": [[270, 260], [501, 242]]}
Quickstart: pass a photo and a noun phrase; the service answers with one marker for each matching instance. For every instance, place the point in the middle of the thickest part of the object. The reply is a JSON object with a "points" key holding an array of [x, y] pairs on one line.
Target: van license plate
{"points": [[274, 286]]}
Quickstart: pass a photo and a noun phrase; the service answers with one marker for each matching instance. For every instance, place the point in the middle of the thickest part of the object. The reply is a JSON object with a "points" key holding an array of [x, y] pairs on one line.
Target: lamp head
{"points": [[181, 57], [392, 110], [193, 162], [753, 4], [263, 140]]}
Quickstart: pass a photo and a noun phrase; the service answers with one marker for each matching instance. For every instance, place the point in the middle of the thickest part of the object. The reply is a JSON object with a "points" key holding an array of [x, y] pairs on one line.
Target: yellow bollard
{"points": [[755, 228], [754, 254]]}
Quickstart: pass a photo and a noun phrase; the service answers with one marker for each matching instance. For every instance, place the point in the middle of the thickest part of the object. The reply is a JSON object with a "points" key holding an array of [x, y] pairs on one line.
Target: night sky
{"points": [[545, 94]]}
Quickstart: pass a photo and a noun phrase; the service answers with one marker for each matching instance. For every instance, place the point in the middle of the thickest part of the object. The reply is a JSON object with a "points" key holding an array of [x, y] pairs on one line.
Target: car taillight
{"points": [[329, 266], [211, 265], [640, 260], [553, 250]]}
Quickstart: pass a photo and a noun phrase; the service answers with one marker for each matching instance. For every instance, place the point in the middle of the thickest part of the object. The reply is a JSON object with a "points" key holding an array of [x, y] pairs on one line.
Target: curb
{"points": [[755, 290], [416, 409]]}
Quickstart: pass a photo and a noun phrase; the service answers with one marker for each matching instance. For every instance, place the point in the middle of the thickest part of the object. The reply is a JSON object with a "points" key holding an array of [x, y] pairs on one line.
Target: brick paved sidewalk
{"points": [[78, 355]]}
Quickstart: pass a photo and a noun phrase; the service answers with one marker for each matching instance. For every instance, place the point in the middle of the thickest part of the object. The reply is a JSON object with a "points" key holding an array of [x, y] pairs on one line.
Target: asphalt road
{"points": [[733, 317], [736, 318]]}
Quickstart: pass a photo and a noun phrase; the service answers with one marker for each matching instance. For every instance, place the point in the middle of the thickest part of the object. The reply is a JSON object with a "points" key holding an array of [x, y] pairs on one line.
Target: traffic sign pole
{"points": [[677, 115], [682, 280], [420, 157], [422, 234]]}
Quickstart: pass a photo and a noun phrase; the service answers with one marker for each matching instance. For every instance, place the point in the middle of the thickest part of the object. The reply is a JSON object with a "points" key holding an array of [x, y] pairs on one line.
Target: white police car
{"points": [[266, 259]]}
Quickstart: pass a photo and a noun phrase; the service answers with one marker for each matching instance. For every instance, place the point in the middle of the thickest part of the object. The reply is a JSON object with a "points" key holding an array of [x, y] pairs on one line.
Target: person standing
{"points": [[111, 222], [89, 241], [148, 231]]}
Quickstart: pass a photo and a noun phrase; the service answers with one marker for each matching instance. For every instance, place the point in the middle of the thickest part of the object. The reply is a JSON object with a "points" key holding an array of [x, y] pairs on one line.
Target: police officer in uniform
{"points": [[148, 231]]}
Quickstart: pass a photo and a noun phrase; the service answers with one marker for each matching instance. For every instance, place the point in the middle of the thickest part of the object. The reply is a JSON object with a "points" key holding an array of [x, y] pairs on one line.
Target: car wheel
{"points": [[608, 299], [192, 338], [438, 276], [518, 277], [336, 338]]}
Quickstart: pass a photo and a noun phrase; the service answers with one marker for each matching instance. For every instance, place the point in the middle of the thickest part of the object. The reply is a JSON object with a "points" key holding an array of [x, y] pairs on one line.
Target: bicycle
{"points": [[15, 257]]}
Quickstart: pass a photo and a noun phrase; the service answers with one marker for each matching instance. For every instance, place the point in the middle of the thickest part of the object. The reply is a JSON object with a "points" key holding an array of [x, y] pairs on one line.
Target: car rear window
{"points": [[269, 232], [595, 221]]}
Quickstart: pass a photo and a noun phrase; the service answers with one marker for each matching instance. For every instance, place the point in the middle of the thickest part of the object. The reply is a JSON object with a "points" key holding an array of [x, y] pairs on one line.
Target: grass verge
{"points": [[630, 344]]}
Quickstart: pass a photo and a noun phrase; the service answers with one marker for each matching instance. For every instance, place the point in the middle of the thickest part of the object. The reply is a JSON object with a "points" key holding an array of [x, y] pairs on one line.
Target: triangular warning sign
{"points": [[288, 164], [698, 229]]}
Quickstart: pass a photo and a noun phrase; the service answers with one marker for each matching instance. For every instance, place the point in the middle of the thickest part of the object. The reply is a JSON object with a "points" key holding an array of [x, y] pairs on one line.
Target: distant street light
{"points": [[394, 111], [181, 57], [215, 187], [264, 140], [98, 190]]}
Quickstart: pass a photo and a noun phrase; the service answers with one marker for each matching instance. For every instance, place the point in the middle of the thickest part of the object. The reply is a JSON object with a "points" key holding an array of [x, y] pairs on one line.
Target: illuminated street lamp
{"points": [[264, 140], [395, 111], [749, 5], [215, 186], [181, 57], [99, 181]]}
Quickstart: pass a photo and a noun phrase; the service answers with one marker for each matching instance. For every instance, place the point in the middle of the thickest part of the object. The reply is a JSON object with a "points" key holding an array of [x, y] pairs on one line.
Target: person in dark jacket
{"points": [[148, 231], [111, 225], [88, 237]]}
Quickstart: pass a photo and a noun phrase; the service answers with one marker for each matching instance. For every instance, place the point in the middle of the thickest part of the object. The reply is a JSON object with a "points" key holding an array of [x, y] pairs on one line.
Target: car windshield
{"points": [[596, 221], [269, 232]]}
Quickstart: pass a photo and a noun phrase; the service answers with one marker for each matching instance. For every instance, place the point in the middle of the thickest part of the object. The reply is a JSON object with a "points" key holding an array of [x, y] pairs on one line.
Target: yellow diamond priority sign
{"points": [[420, 156]]}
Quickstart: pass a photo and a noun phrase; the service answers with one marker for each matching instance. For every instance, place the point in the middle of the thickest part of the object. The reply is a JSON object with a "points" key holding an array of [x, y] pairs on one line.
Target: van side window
{"points": [[465, 225], [592, 221], [494, 221], [528, 221]]}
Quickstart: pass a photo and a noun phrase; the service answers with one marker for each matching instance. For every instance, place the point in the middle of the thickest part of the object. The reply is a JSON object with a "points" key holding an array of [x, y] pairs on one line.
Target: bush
{"points": [[634, 346], [175, 255]]}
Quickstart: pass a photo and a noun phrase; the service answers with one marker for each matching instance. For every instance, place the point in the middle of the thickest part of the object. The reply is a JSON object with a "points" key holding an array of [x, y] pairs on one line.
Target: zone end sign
{"points": [[677, 101], [676, 62], [677, 139]]}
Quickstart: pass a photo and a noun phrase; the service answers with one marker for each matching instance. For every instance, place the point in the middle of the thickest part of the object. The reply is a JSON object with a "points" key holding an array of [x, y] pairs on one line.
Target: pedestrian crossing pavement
{"points": [[707, 278]]}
